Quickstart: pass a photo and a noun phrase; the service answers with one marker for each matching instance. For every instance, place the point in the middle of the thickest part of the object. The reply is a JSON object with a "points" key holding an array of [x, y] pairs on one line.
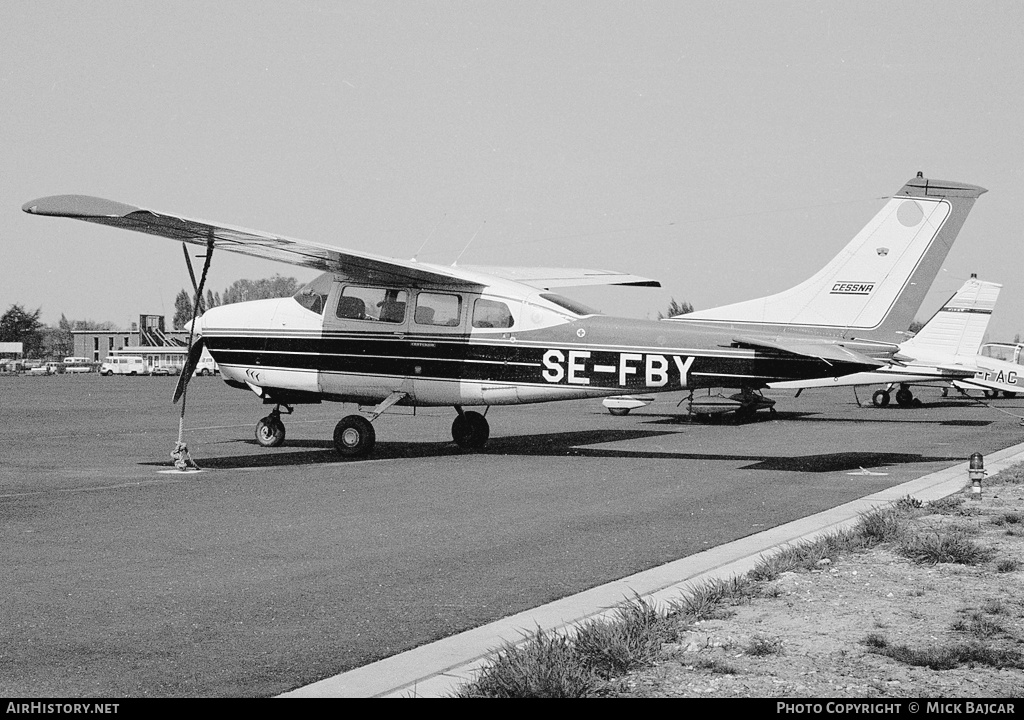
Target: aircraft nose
{"points": [[197, 329]]}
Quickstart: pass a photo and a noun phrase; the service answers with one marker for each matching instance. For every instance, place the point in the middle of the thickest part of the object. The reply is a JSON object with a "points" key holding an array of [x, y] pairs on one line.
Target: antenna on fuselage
{"points": [[456, 261]]}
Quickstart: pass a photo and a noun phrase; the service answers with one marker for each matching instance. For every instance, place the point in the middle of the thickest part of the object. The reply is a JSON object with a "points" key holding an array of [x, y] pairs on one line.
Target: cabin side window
{"points": [[439, 309], [491, 314], [358, 302]]}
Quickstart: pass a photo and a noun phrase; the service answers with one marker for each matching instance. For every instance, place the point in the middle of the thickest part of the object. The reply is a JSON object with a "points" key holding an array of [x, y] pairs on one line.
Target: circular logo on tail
{"points": [[909, 213]]}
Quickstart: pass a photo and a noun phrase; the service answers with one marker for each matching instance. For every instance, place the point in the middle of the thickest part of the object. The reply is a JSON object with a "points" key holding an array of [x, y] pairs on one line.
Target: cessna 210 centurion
{"points": [[379, 331]]}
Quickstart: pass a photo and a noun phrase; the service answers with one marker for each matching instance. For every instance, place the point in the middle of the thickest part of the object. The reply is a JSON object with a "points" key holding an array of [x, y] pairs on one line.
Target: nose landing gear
{"points": [[270, 430]]}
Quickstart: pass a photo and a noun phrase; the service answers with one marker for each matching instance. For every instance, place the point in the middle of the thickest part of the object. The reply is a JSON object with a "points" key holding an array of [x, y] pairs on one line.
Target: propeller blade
{"points": [[194, 353]]}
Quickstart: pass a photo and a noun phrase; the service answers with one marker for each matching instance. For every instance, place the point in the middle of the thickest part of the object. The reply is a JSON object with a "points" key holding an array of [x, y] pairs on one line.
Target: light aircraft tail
{"points": [[873, 288], [944, 349], [959, 327]]}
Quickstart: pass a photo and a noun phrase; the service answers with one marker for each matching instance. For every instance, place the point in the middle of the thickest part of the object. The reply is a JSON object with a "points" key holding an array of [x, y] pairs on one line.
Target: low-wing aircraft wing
{"points": [[975, 383], [305, 253]]}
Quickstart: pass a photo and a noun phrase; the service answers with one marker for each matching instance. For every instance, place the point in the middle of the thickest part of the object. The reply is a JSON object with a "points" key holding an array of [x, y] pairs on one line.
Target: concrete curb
{"points": [[440, 668]]}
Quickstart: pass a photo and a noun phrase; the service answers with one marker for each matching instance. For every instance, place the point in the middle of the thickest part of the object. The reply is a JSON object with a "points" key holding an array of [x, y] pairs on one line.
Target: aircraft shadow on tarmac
{"points": [[561, 445]]}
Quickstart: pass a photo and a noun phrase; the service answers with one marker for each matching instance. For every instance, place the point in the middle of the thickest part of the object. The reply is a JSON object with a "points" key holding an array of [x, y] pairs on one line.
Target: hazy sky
{"points": [[726, 149]]}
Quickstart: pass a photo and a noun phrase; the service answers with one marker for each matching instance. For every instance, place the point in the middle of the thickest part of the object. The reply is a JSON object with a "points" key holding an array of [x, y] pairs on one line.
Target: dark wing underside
{"points": [[305, 253]]}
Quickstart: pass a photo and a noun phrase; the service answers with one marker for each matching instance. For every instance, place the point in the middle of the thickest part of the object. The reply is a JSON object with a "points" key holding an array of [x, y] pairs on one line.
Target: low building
{"points": [[148, 338]]}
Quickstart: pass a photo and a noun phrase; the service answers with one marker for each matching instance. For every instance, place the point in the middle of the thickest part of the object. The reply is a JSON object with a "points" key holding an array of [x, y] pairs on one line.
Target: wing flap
{"points": [[545, 278]]}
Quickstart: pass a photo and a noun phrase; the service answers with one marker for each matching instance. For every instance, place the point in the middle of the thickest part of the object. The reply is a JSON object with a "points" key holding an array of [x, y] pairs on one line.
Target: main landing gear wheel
{"points": [[270, 431], [904, 398], [880, 398], [470, 430], [354, 437]]}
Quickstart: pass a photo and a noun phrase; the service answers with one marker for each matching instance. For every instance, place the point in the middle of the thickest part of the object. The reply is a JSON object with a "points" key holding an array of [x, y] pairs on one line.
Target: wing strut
{"points": [[182, 459]]}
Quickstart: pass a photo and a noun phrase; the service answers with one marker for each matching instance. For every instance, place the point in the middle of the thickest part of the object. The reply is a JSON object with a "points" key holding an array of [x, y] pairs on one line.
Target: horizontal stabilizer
{"points": [[1006, 382], [823, 350]]}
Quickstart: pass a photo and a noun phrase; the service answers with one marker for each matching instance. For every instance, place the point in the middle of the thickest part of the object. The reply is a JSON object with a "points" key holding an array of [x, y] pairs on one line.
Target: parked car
{"points": [[50, 368], [165, 370]]}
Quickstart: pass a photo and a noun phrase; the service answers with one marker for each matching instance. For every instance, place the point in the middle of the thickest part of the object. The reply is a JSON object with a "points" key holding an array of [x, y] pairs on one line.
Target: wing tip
{"points": [[77, 206]]}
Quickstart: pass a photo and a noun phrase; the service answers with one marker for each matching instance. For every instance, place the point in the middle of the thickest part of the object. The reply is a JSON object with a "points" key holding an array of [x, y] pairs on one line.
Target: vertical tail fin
{"points": [[958, 328], [873, 288]]}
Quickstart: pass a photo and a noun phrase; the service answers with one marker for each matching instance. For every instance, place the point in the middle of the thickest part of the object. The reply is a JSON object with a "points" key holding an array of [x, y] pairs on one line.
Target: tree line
{"points": [[239, 291], [39, 340]]}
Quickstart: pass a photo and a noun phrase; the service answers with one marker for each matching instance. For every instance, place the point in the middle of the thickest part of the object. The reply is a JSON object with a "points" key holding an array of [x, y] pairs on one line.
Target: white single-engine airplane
{"points": [[380, 331], [947, 350]]}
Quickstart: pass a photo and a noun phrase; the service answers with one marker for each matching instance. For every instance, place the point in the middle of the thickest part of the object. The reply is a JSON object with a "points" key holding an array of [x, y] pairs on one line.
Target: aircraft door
{"points": [[437, 345], [365, 328]]}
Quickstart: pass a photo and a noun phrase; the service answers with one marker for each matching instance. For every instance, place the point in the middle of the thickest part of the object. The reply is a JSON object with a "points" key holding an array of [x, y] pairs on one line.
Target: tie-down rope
{"points": [[180, 454]]}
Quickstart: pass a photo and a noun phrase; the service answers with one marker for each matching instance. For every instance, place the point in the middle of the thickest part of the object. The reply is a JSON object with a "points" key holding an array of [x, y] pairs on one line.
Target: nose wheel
{"points": [[270, 430]]}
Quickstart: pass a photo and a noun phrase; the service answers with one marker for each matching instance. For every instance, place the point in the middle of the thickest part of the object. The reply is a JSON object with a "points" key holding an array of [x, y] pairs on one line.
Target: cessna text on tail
{"points": [[378, 331], [945, 351]]}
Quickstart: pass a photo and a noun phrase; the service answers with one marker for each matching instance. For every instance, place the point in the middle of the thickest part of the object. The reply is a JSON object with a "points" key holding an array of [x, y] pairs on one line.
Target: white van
{"points": [[124, 365], [206, 365], [77, 365]]}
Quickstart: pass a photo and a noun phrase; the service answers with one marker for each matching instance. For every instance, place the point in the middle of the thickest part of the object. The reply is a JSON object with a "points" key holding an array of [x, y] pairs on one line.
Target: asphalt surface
{"points": [[272, 569]]}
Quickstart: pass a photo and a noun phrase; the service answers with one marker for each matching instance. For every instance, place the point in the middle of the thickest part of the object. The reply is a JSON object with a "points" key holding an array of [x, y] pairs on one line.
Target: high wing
{"points": [[305, 253]]}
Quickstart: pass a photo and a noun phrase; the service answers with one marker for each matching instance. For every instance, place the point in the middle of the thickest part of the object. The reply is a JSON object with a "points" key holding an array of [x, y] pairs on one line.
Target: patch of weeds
{"points": [[944, 547], [704, 602], [880, 525], [908, 502], [716, 666], [630, 640], [761, 645], [970, 510], [1010, 476], [994, 606], [1008, 565], [1008, 519], [807, 555], [545, 666], [876, 640], [947, 505], [947, 657], [978, 624]]}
